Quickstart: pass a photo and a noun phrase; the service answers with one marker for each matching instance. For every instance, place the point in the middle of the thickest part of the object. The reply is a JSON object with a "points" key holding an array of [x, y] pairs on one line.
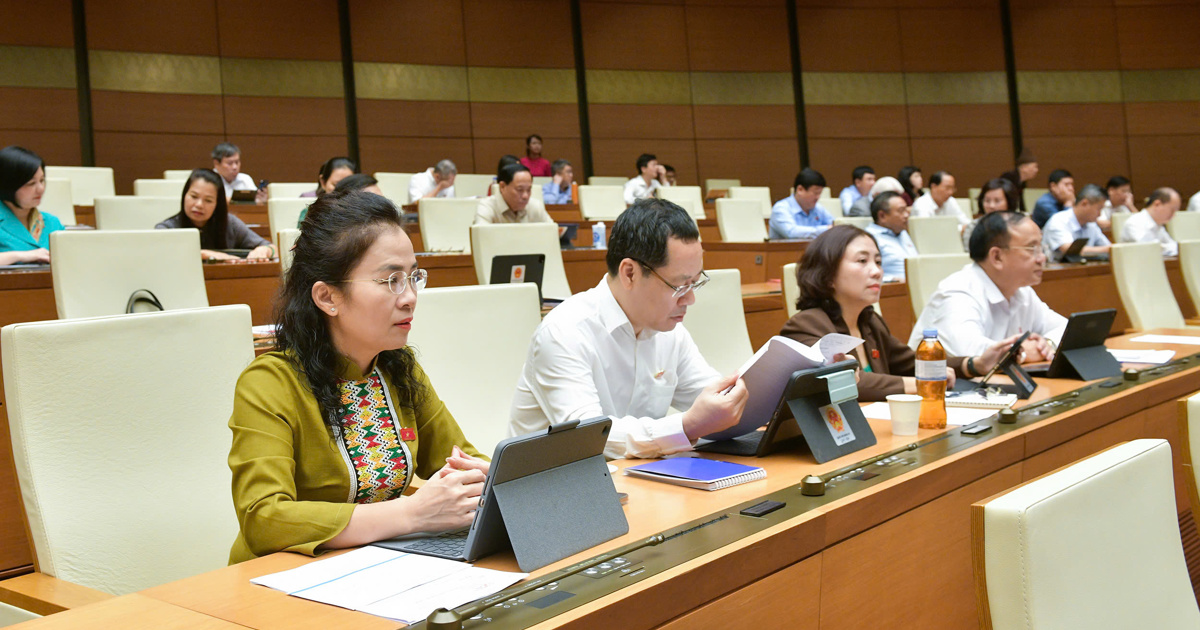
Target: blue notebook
{"points": [[694, 472]]}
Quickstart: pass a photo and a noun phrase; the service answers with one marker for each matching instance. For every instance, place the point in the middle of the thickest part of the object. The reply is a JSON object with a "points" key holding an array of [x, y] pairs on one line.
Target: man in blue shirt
{"points": [[862, 179], [890, 230], [557, 191], [1060, 197], [798, 215]]}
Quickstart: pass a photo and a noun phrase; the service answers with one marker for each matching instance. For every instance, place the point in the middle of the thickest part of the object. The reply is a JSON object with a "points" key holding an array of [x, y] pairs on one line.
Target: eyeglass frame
{"points": [[1033, 249], [409, 279], [682, 290]]}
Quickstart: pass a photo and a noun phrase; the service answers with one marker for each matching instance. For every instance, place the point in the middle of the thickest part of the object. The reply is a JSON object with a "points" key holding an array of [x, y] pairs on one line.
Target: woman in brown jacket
{"points": [[839, 275]]}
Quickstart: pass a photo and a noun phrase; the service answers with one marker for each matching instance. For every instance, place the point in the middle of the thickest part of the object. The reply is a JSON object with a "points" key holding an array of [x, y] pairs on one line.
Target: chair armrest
{"points": [[45, 595]]}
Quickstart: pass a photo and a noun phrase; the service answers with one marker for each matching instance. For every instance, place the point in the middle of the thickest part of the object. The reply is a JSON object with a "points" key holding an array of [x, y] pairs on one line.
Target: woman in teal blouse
{"points": [[24, 230]]}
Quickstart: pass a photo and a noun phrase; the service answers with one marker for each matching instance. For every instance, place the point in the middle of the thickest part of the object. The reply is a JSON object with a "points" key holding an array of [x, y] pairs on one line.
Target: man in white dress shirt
{"points": [[992, 298], [1077, 222], [620, 350], [1149, 225], [939, 201], [437, 181], [651, 177], [227, 162]]}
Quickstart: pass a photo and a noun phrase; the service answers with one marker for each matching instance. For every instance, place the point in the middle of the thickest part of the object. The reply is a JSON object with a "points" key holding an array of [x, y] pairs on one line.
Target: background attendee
{"points": [[862, 207], [331, 427], [1027, 169], [557, 191], [350, 183], [620, 349], [651, 176], [24, 230], [997, 195], [204, 207], [1060, 197], [839, 277], [991, 299], [512, 203], [538, 166], [939, 201], [1120, 199], [913, 183], [1064, 227], [437, 181], [1149, 225], [332, 171], [799, 215], [669, 174], [227, 162], [861, 180], [890, 229]]}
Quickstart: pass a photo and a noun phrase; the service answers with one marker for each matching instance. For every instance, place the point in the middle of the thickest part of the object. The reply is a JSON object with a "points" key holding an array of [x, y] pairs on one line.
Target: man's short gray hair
{"points": [[1092, 194], [445, 168]]}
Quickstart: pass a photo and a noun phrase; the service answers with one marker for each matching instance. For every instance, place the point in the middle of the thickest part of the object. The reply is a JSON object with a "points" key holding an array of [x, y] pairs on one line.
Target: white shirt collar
{"points": [[612, 316], [990, 291]]}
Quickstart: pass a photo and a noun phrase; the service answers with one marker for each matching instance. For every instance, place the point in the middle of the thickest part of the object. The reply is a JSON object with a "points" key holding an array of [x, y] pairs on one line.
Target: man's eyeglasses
{"points": [[1032, 249], [679, 291], [400, 280]]}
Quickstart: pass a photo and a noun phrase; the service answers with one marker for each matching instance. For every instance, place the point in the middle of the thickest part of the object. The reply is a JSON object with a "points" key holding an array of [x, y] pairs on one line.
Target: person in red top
{"points": [[538, 166]]}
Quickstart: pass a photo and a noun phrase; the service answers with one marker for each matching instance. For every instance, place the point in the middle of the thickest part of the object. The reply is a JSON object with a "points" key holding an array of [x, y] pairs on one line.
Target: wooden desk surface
{"points": [[128, 612], [866, 556]]}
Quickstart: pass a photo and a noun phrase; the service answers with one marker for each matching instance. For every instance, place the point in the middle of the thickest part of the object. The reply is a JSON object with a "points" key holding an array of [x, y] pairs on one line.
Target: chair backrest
{"points": [[1118, 224], [477, 387], [472, 185], [717, 322], [740, 221], [446, 223], [1189, 264], [177, 174], [1189, 433], [714, 183], [285, 239], [542, 180], [96, 271], [491, 240], [128, 212], [57, 200], [826, 193], [761, 194], [1142, 282], [1092, 545], [11, 615], [1184, 226], [687, 196], [791, 288], [87, 182], [923, 273], [601, 202], [284, 212], [289, 189], [1030, 196], [973, 207], [159, 188], [833, 206], [124, 477], [935, 235], [964, 204], [601, 180], [858, 222], [394, 186]]}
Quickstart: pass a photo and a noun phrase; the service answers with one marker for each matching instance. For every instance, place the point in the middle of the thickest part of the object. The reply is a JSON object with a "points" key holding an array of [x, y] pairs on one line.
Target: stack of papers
{"points": [[955, 416], [1156, 357], [1175, 339], [393, 584]]}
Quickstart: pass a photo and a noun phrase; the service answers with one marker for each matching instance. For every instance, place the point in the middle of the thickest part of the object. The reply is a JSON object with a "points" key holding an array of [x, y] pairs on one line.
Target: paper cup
{"points": [[906, 413]]}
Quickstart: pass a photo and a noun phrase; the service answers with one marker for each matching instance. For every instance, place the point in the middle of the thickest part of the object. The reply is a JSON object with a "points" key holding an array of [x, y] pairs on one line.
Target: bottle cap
{"points": [[930, 332]]}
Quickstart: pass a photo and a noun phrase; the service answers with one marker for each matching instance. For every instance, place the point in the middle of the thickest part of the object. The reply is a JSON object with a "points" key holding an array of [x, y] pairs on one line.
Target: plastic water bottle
{"points": [[931, 380], [599, 238]]}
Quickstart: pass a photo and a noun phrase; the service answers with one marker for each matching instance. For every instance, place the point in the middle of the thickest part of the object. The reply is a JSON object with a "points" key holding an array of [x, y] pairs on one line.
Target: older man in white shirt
{"points": [[939, 201], [992, 298], [651, 176], [437, 181], [620, 349], [1149, 225], [1063, 228]]}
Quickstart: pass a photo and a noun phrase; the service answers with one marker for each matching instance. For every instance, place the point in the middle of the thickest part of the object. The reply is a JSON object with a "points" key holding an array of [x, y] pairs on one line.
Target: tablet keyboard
{"points": [[448, 545]]}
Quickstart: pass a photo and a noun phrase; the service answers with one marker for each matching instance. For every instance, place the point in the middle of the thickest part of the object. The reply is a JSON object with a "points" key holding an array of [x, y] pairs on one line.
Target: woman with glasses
{"points": [[840, 276], [330, 428]]}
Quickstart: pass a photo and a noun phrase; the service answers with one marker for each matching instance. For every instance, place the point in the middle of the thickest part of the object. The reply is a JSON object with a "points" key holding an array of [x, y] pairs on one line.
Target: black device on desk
{"points": [[512, 268], [1023, 384], [548, 495], [1074, 253], [1081, 353], [566, 240]]}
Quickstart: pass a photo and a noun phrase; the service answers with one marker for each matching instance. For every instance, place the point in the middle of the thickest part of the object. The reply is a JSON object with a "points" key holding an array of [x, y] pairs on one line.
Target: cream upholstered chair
{"points": [[826, 193], [688, 197], [717, 322], [57, 200], [159, 188], [935, 235], [964, 204], [96, 271], [858, 222], [289, 189], [542, 180], [923, 274], [740, 221], [791, 288], [87, 182], [127, 212], [1142, 282], [1031, 195], [284, 212], [394, 186], [457, 322], [11, 615], [972, 208], [600, 202], [446, 223], [601, 180], [1092, 545], [491, 240], [177, 174], [714, 183], [1185, 226], [472, 185], [1189, 433], [1118, 224], [124, 481], [833, 206], [286, 240], [761, 194], [1189, 264]]}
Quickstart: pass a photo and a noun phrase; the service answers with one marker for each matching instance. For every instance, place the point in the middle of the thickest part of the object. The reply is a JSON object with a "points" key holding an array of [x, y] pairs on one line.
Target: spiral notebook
{"points": [[694, 472], [980, 400]]}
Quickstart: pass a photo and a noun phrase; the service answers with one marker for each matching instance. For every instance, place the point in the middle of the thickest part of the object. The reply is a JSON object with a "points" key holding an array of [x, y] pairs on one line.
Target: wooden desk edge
{"points": [[45, 595]]}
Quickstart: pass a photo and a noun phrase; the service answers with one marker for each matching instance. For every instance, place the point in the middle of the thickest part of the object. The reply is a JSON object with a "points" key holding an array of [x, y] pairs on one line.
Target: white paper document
{"points": [[393, 584], [955, 416], [1156, 357], [1176, 339]]}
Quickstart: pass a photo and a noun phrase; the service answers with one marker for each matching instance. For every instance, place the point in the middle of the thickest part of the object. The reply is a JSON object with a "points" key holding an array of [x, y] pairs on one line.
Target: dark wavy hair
{"points": [[1010, 194], [212, 235], [331, 165], [819, 266], [338, 231], [18, 165]]}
